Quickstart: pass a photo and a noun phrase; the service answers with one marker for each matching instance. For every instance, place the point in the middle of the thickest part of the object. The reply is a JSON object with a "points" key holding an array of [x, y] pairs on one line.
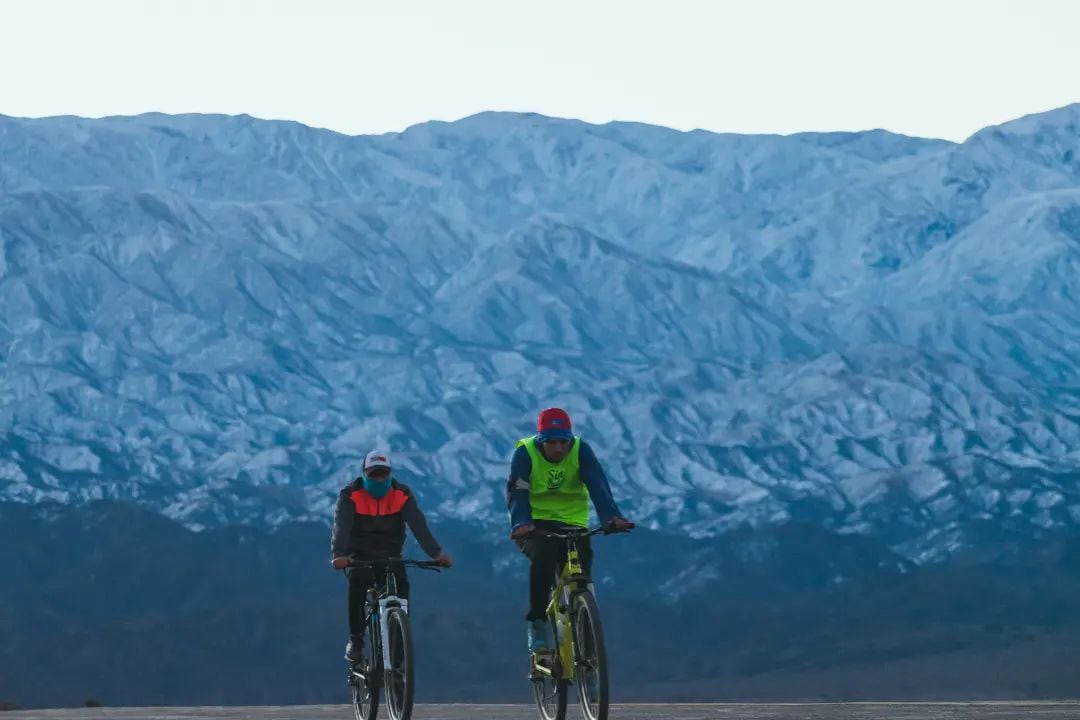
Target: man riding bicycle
{"points": [[553, 475], [369, 524]]}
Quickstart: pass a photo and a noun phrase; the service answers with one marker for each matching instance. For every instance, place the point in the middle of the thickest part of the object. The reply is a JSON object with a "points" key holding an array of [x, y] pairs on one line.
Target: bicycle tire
{"points": [[590, 657], [399, 675]]}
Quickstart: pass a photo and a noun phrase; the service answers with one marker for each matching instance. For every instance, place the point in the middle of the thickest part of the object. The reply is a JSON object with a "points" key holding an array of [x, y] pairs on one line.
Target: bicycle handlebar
{"points": [[574, 534], [422, 564]]}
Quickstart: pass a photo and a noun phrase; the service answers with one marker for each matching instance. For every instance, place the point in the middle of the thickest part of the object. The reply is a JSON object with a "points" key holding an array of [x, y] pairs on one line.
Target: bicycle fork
{"points": [[384, 626]]}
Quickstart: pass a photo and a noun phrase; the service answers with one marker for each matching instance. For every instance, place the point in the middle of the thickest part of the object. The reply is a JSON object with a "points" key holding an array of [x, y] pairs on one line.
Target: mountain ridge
{"points": [[217, 316]]}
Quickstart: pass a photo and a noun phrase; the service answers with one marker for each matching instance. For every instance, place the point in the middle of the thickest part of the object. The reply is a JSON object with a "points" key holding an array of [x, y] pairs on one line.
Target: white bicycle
{"points": [[387, 660]]}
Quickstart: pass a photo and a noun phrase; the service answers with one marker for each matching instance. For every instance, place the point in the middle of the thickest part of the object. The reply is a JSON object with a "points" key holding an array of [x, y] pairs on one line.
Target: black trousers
{"points": [[546, 558], [362, 579]]}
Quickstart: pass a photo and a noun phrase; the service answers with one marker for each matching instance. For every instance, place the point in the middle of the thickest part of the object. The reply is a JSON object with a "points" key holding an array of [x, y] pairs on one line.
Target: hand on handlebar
{"points": [[618, 525], [522, 531]]}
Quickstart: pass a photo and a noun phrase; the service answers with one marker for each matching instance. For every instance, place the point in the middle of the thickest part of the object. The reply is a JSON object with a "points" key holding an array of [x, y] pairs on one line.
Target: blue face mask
{"points": [[377, 488]]}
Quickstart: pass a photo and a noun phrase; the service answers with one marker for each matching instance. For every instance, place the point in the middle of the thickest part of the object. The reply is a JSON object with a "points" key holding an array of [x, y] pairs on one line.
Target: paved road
{"points": [[817, 711]]}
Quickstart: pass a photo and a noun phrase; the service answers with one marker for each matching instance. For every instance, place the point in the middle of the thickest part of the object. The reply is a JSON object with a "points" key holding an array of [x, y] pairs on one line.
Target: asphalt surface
{"points": [[793, 711]]}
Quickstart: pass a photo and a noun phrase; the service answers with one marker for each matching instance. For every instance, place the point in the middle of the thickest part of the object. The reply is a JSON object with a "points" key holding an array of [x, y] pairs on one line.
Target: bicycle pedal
{"points": [[539, 660]]}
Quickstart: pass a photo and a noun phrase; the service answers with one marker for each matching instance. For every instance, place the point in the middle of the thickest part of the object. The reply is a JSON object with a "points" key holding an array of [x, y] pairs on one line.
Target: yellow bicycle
{"points": [[579, 656]]}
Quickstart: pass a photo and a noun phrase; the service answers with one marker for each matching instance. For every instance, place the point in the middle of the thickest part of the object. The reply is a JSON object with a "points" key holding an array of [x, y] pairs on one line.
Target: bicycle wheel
{"points": [[399, 675], [364, 679], [590, 657], [550, 691]]}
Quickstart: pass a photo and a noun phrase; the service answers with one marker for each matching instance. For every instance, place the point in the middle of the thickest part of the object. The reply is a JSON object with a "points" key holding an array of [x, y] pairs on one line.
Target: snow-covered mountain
{"points": [[218, 316]]}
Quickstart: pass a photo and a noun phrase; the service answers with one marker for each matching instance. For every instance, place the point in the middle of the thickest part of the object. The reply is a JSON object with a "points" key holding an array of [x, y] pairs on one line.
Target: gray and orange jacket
{"points": [[374, 529]]}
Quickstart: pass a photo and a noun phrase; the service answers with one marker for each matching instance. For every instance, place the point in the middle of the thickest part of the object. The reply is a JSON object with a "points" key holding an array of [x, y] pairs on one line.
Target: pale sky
{"points": [[933, 68]]}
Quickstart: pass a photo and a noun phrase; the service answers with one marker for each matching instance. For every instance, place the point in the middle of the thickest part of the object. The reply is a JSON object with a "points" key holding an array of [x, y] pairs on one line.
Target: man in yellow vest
{"points": [[553, 475]]}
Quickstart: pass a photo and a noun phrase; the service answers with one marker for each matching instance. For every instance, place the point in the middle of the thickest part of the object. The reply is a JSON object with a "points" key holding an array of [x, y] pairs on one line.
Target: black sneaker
{"points": [[354, 651]]}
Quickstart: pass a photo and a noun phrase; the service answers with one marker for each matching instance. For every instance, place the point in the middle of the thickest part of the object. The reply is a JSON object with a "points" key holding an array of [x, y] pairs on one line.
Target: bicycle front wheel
{"points": [[590, 657], [399, 674]]}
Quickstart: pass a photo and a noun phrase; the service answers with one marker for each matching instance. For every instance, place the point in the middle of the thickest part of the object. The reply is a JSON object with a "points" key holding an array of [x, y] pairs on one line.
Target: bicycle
{"points": [[579, 655], [387, 660]]}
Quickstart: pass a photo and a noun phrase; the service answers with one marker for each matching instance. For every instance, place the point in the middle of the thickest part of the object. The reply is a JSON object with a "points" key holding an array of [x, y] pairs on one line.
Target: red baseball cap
{"points": [[554, 424]]}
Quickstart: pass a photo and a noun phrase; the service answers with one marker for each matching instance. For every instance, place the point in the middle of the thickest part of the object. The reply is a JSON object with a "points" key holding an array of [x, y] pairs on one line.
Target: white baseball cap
{"points": [[377, 458]]}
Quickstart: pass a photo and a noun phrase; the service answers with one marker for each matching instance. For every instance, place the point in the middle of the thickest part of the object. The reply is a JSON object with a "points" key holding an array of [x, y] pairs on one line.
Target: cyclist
{"points": [[553, 475], [369, 524]]}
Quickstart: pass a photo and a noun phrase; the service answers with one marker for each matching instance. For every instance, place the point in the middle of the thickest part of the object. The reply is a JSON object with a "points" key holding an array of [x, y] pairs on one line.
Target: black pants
{"points": [[546, 557], [362, 579]]}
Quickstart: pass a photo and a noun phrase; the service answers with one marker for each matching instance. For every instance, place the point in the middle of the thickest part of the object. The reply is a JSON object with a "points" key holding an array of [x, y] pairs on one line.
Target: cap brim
{"points": [[555, 435]]}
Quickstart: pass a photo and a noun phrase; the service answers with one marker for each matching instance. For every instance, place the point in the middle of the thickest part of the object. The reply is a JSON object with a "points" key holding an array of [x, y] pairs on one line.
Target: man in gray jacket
{"points": [[369, 524]]}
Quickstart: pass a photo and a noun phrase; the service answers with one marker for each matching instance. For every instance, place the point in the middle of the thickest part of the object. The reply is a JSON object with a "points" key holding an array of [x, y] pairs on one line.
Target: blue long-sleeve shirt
{"points": [[592, 476]]}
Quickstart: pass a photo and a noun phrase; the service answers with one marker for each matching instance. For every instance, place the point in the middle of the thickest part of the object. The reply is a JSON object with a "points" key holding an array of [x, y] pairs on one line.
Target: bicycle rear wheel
{"points": [[550, 691], [399, 675], [364, 679], [550, 697], [590, 657]]}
